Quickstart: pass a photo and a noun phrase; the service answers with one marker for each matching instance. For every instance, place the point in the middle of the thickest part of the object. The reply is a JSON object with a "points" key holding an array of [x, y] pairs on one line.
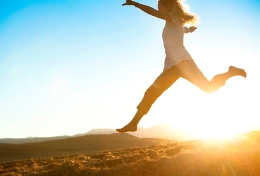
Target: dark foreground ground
{"points": [[239, 156]]}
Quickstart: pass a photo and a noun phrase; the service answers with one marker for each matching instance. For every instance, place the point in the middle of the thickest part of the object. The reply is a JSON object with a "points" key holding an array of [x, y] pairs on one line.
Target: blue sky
{"points": [[69, 66]]}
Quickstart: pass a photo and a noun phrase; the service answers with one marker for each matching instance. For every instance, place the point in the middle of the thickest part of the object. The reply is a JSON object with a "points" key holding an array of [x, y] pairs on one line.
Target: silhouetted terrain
{"points": [[158, 131], [76, 145], [238, 156], [30, 139]]}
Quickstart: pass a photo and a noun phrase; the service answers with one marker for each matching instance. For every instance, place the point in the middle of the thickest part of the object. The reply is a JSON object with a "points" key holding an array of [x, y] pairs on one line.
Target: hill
{"points": [[30, 139], [158, 131], [238, 156], [87, 144]]}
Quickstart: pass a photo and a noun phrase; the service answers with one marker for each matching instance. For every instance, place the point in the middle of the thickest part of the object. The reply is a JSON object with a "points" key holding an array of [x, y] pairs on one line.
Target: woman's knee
{"points": [[217, 82], [208, 90], [207, 87], [212, 87]]}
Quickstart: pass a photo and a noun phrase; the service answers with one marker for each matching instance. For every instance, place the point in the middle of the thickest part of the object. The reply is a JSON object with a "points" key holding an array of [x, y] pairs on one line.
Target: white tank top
{"points": [[175, 51]]}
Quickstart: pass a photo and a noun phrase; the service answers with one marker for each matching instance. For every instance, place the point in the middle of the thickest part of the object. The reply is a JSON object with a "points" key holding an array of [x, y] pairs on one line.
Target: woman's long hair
{"points": [[177, 7]]}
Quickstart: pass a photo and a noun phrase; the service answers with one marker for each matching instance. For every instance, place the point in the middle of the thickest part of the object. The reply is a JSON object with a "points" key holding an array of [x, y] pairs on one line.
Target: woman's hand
{"points": [[192, 29], [128, 2]]}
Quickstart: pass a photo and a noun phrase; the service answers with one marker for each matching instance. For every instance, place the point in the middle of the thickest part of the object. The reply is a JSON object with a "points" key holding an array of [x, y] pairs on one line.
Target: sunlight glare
{"points": [[221, 114]]}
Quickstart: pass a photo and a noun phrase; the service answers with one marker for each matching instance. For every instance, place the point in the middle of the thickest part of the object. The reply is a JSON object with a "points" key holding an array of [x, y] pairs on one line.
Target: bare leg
{"points": [[162, 83], [188, 70], [192, 73]]}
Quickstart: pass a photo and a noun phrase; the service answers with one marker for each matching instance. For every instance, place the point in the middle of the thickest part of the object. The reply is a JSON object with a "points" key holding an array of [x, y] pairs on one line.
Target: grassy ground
{"points": [[239, 156]]}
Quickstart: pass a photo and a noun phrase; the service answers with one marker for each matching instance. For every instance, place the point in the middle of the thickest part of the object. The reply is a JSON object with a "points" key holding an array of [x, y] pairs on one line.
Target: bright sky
{"points": [[67, 67]]}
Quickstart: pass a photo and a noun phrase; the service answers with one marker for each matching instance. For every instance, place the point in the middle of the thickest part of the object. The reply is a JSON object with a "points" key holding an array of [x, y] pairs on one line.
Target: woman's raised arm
{"points": [[149, 10]]}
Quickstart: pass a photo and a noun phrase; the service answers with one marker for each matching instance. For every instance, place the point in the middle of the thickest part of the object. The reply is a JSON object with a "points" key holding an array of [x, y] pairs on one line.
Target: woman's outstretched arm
{"points": [[149, 10]]}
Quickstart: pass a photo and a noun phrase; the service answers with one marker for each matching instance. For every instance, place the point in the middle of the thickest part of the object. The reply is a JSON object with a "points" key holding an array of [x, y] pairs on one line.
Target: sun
{"points": [[218, 115], [221, 114]]}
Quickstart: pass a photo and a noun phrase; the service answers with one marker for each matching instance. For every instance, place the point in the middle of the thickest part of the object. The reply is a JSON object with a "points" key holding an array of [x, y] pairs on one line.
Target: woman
{"points": [[178, 62]]}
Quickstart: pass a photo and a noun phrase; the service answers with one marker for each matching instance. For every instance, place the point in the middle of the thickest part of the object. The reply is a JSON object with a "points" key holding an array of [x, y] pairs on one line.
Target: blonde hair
{"points": [[177, 8]]}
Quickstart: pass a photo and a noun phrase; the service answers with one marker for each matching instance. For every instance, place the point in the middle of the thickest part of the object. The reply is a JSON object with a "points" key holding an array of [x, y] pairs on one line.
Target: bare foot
{"points": [[237, 71], [128, 128]]}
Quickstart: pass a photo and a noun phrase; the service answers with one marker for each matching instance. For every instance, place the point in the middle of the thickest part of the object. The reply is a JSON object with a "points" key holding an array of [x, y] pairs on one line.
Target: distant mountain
{"points": [[98, 131], [30, 139], [164, 132], [158, 131]]}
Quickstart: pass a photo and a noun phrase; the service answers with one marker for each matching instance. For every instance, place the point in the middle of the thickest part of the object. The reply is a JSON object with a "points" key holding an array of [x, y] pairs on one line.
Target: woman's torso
{"points": [[175, 51]]}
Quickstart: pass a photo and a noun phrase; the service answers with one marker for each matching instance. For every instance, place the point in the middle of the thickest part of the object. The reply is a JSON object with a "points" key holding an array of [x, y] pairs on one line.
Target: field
{"points": [[237, 156]]}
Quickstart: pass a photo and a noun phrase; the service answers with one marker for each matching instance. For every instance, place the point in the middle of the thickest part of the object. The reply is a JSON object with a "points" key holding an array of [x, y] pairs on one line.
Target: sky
{"points": [[67, 67]]}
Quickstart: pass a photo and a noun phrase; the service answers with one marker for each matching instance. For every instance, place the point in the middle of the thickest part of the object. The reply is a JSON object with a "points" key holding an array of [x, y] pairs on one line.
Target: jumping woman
{"points": [[178, 62]]}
